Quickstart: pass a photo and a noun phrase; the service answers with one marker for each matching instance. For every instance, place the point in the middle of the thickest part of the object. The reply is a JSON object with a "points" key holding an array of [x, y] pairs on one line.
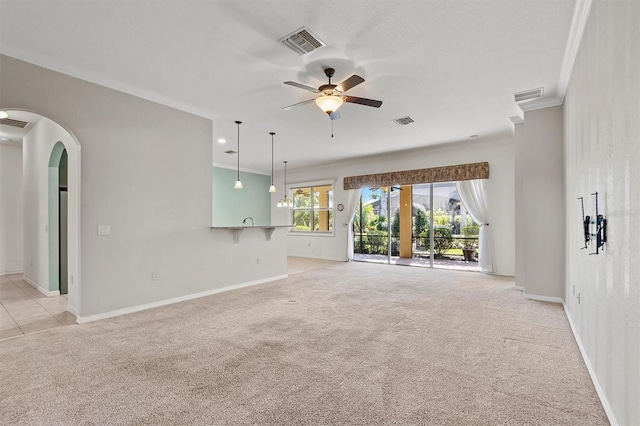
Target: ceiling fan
{"points": [[332, 96]]}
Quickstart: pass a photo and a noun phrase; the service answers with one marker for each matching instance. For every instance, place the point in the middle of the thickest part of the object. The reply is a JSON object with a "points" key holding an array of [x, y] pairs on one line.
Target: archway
{"points": [[47, 148]]}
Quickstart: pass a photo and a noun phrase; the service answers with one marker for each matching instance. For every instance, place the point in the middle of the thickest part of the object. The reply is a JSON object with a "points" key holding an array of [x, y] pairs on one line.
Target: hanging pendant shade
{"points": [[286, 201], [272, 188], [238, 184]]}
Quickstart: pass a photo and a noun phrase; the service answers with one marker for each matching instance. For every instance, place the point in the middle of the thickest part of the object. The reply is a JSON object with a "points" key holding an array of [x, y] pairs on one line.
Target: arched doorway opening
{"points": [[51, 180]]}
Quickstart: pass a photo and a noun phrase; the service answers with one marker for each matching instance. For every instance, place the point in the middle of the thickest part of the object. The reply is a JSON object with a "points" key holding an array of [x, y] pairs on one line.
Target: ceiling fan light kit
{"points": [[329, 103]]}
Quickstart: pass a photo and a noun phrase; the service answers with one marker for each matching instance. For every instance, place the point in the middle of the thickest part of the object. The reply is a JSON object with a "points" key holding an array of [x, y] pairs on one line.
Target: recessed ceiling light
{"points": [[3, 114], [474, 136], [222, 140]]}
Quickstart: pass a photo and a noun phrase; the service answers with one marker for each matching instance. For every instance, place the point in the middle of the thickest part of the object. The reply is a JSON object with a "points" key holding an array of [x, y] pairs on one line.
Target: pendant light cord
{"points": [[272, 133], [285, 181]]}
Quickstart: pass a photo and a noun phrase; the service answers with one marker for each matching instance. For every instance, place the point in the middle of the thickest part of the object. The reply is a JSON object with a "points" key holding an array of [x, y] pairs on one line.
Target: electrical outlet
{"points": [[155, 276], [579, 298], [308, 244], [258, 260]]}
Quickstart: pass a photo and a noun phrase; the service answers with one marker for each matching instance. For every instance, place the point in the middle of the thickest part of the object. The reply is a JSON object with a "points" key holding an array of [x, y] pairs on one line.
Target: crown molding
{"points": [[541, 103], [57, 66], [578, 23]]}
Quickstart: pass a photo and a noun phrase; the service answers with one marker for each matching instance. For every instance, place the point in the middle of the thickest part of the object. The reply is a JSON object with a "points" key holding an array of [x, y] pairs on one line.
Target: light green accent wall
{"points": [[231, 205]]}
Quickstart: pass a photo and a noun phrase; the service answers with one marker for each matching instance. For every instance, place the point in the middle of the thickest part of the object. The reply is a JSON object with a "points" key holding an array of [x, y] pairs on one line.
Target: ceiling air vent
{"points": [[231, 152], [529, 94], [14, 123], [403, 121], [302, 41]]}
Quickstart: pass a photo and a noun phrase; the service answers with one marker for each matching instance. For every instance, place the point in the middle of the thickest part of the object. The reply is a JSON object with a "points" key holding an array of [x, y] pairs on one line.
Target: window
{"points": [[313, 208]]}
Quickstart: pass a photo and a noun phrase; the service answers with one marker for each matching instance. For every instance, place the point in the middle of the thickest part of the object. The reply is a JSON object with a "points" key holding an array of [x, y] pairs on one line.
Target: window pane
{"points": [[323, 196], [301, 197], [323, 220], [301, 220]]}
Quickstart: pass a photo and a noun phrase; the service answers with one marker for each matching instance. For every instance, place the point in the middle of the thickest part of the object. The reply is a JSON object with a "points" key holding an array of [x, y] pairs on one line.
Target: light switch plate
{"points": [[104, 229]]}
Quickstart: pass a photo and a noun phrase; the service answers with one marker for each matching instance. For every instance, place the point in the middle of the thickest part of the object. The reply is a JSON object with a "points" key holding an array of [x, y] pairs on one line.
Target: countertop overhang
{"points": [[237, 230]]}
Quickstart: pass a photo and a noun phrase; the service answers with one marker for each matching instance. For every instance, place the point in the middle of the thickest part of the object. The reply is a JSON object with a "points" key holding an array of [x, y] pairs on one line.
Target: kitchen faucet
{"points": [[252, 221]]}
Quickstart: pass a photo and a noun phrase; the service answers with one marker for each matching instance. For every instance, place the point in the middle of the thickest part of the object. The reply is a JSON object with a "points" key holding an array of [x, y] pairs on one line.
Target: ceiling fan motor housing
{"points": [[329, 72], [328, 89]]}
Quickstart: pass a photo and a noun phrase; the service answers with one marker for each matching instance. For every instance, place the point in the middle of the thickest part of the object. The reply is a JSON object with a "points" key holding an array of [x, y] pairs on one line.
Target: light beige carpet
{"points": [[353, 343]]}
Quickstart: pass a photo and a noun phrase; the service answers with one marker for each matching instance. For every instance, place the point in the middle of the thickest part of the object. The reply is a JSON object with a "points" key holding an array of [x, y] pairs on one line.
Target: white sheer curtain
{"points": [[472, 196], [352, 206]]}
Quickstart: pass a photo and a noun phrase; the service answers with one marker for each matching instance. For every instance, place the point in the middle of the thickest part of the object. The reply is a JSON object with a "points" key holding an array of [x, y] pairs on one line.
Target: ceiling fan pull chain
{"points": [[331, 128]]}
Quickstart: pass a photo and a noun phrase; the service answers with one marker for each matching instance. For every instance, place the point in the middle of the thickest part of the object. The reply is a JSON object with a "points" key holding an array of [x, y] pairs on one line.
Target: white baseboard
{"points": [[337, 259], [41, 289], [132, 309], [542, 298], [11, 272], [596, 383]]}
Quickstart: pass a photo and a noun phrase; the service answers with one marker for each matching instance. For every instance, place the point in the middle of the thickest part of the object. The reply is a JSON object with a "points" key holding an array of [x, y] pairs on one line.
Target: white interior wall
{"points": [[11, 240], [602, 131], [146, 172], [500, 194], [540, 209]]}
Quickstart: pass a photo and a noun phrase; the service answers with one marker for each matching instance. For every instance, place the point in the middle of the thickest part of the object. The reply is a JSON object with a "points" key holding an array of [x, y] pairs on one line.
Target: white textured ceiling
{"points": [[452, 65]]}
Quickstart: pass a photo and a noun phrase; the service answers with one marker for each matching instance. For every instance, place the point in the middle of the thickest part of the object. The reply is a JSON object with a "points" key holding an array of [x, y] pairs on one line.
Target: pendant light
{"points": [[272, 188], [286, 201], [238, 183]]}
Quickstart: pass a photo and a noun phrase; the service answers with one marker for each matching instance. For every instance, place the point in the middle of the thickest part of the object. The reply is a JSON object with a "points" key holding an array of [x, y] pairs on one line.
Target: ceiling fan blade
{"points": [[308, 101], [334, 115], [301, 86], [352, 81], [363, 101]]}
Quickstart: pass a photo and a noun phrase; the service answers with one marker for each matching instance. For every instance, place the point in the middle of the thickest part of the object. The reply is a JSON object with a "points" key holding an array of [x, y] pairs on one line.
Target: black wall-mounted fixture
{"points": [[594, 228]]}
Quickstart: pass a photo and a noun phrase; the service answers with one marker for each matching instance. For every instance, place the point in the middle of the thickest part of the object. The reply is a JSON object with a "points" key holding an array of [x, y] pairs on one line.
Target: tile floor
{"points": [[24, 310]]}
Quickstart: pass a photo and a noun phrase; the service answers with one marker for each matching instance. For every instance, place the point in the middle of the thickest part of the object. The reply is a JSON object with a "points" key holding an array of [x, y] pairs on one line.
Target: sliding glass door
{"points": [[376, 224], [424, 225]]}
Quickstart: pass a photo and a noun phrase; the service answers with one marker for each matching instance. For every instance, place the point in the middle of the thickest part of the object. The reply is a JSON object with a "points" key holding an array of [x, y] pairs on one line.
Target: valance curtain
{"points": [[352, 206], [472, 196], [410, 177]]}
